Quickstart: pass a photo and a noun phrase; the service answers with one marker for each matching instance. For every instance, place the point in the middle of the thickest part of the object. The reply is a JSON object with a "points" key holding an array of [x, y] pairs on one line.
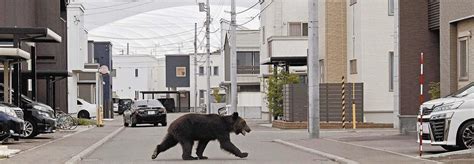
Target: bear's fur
{"points": [[203, 128]]}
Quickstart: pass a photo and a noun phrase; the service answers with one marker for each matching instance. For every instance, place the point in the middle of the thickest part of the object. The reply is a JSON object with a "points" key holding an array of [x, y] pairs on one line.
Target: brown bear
{"points": [[203, 128]]}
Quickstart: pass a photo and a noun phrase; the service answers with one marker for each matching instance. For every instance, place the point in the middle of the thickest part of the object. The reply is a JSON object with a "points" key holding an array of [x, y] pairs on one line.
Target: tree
{"points": [[218, 97], [275, 91]]}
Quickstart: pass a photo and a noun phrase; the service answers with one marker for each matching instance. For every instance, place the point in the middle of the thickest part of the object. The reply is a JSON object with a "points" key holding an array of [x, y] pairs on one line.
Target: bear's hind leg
{"points": [[168, 142], [200, 148], [187, 146]]}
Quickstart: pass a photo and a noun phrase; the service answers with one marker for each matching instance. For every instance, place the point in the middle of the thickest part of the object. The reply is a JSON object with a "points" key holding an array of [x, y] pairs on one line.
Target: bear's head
{"points": [[239, 125]]}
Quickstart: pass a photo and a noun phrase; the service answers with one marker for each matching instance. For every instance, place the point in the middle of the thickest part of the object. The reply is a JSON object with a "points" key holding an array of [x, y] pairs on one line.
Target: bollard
{"points": [[422, 80], [353, 107], [343, 103]]}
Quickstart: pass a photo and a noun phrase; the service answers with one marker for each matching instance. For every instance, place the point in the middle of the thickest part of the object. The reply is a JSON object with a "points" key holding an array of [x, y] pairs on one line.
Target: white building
{"points": [[76, 50], [249, 102], [134, 73], [198, 75], [283, 34], [370, 26]]}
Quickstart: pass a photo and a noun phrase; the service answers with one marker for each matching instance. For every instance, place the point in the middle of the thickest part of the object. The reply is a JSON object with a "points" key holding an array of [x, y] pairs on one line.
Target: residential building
{"points": [[416, 31], [134, 73], [456, 46], [370, 27], [248, 70], [51, 59], [103, 56], [77, 51]]}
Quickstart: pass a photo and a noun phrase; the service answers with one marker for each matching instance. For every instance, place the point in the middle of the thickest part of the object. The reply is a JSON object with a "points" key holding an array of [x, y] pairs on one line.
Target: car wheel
{"points": [[125, 124], [31, 130], [465, 136], [163, 124], [83, 114]]}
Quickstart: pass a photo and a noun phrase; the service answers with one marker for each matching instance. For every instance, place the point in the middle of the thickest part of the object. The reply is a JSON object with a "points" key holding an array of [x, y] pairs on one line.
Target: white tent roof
{"points": [[168, 30]]}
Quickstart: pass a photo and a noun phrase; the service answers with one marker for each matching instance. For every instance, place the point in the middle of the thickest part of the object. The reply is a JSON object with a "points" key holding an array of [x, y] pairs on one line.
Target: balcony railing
{"points": [[248, 69]]}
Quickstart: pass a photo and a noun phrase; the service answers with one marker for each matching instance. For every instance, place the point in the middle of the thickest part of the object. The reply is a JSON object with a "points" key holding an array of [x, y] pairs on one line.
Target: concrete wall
{"points": [[465, 29]]}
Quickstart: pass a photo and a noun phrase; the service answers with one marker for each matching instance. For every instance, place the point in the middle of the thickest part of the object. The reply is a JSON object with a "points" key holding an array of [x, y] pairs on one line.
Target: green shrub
{"points": [[275, 91], [86, 122], [434, 90]]}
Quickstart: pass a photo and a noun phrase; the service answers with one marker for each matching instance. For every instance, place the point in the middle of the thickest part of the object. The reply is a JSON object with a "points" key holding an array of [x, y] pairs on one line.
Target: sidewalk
{"points": [[63, 150], [368, 146]]}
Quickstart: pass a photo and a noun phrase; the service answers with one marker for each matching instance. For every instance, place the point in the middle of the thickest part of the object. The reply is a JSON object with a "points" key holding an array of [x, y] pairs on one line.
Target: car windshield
{"points": [[147, 103], [464, 91]]}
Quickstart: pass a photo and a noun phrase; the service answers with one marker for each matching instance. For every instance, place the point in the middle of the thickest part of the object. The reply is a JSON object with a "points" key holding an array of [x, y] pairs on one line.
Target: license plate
{"points": [[151, 112], [426, 127]]}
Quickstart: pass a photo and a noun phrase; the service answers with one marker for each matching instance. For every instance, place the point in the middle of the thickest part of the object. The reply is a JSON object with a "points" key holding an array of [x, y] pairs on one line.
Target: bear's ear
{"points": [[235, 115]]}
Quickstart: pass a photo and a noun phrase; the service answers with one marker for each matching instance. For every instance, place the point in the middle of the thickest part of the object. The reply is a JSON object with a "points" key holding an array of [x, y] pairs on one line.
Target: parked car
{"points": [[86, 109], [10, 124], [145, 112], [449, 121], [124, 104], [169, 104], [39, 118]]}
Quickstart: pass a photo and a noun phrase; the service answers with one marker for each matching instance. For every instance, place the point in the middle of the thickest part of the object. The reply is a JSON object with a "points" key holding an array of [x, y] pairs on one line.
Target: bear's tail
{"points": [[168, 142]]}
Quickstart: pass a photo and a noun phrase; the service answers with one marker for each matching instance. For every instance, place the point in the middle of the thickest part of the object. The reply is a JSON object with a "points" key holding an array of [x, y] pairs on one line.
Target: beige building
{"points": [[456, 45]]}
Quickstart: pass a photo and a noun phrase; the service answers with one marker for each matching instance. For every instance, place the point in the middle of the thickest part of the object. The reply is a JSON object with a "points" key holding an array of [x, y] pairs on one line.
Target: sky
{"points": [[160, 27]]}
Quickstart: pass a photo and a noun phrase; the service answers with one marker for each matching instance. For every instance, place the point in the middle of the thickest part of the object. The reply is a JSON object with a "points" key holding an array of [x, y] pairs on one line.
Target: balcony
{"points": [[288, 46], [248, 70]]}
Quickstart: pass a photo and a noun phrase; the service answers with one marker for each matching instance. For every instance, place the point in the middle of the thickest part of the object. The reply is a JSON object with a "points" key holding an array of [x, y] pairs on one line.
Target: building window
{"points": [[463, 59], [263, 35], [248, 62], [249, 88], [201, 70], [390, 71], [305, 29], [216, 71], [321, 70], [391, 7], [298, 29], [353, 66], [180, 71], [270, 49], [136, 72]]}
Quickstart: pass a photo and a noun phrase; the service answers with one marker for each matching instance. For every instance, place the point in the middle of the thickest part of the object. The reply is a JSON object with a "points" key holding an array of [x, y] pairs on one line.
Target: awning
{"points": [[286, 60], [13, 54], [29, 34]]}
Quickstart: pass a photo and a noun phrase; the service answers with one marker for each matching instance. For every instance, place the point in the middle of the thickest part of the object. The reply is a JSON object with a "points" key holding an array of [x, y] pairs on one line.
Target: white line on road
{"points": [[388, 151], [327, 155], [93, 147]]}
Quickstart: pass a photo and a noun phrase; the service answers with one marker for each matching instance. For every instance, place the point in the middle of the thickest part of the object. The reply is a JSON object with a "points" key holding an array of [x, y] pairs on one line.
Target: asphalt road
{"points": [[135, 145]]}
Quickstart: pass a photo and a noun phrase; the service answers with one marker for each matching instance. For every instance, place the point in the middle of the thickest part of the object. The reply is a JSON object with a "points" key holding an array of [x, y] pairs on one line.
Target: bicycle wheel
{"points": [[74, 122]]}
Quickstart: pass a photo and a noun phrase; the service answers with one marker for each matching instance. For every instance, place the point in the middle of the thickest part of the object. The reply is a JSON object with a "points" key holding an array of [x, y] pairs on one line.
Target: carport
{"points": [[12, 55], [168, 93]]}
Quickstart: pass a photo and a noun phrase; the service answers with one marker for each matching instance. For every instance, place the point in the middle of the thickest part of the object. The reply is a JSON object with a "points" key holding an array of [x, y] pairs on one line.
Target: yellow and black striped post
{"points": [[343, 103]]}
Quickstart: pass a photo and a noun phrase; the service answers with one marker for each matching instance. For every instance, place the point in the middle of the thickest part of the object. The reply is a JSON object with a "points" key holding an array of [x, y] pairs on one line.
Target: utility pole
{"points": [[313, 70], [208, 47], [195, 68], [233, 57]]}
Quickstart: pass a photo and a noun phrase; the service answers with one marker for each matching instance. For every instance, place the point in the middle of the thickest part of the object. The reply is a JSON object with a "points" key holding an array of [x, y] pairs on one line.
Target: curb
{"points": [[90, 149], [327, 155], [441, 155]]}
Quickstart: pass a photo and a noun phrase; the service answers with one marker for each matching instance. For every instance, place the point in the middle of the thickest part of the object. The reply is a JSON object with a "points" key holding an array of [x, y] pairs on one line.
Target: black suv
{"points": [[38, 117]]}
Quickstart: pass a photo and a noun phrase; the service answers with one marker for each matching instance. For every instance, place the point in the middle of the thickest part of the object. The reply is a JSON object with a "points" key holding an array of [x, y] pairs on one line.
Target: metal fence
{"points": [[295, 102]]}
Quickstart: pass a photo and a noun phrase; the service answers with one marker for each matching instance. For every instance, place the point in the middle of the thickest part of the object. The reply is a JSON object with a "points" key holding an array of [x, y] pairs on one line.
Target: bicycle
{"points": [[65, 121]]}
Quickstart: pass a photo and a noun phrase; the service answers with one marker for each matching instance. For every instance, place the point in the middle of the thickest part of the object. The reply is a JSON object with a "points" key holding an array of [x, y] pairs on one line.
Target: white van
{"points": [[449, 121]]}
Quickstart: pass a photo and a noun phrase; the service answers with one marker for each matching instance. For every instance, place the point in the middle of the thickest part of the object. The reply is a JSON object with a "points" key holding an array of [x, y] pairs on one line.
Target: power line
{"points": [[243, 11], [257, 15], [148, 38], [120, 9]]}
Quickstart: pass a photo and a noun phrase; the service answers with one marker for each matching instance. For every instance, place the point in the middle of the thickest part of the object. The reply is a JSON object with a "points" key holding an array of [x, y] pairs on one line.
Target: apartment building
{"points": [[248, 69]]}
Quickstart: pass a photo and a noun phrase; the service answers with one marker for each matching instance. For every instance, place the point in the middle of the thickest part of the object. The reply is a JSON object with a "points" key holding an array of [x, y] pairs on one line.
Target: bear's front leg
{"points": [[187, 149], [230, 147], [200, 149]]}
